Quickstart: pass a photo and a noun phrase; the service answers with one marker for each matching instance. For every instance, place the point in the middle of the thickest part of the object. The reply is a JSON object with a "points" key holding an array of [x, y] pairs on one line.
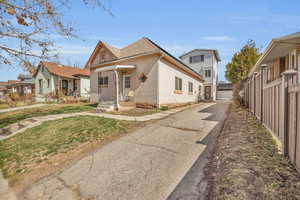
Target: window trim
{"points": [[178, 85], [207, 70], [103, 81], [190, 87]]}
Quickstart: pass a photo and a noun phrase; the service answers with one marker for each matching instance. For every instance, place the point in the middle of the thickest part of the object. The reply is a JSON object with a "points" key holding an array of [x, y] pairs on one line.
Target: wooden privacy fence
{"points": [[293, 126], [277, 105]]}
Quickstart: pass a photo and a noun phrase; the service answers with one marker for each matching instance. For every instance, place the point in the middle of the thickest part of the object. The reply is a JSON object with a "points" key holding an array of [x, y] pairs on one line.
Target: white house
{"points": [[55, 78], [205, 62], [142, 74]]}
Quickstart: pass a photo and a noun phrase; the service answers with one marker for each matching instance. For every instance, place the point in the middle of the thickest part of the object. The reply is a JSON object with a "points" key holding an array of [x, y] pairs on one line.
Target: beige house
{"points": [[141, 74]]}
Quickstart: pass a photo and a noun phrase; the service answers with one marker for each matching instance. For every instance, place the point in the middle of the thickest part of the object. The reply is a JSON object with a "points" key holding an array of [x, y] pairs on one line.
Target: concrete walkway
{"points": [[21, 108], [5, 192], [146, 164], [25, 124]]}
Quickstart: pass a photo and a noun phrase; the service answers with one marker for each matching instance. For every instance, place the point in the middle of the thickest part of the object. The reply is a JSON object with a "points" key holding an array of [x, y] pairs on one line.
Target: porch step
{"points": [[105, 107]]}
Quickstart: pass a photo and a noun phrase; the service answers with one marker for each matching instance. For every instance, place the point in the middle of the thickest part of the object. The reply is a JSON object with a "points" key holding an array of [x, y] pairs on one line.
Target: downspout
{"points": [[157, 95], [117, 90]]}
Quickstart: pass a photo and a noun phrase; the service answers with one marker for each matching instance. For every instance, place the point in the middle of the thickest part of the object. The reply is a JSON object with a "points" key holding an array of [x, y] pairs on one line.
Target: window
{"points": [[127, 82], [191, 87], [178, 84], [75, 84], [207, 73], [293, 62], [282, 64], [103, 81], [40, 86], [197, 59], [48, 83]]}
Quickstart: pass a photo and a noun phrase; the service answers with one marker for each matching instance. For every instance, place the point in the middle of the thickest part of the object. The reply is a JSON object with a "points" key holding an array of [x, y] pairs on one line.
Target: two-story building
{"points": [[205, 62]]}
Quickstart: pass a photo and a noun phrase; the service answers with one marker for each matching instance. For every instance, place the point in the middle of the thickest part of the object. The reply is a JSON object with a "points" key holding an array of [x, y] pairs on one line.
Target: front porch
{"points": [[115, 89]]}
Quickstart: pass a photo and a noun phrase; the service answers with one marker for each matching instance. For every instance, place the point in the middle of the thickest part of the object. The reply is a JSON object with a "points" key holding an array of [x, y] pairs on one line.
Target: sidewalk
{"points": [[247, 163], [25, 124], [21, 108]]}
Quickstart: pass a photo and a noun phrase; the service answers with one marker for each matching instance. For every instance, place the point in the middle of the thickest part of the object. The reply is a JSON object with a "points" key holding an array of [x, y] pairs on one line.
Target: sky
{"points": [[177, 26]]}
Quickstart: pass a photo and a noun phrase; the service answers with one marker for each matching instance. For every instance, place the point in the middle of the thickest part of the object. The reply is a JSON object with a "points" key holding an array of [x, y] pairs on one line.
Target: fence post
{"points": [[287, 76], [254, 92], [262, 72]]}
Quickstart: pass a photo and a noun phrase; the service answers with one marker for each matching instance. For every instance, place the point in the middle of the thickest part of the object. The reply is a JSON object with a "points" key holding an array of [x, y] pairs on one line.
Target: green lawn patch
{"points": [[16, 116], [20, 153]]}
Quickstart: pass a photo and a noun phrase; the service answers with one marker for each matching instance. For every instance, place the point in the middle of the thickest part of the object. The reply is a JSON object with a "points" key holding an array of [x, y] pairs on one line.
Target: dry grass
{"points": [[23, 152], [248, 165], [137, 112], [18, 104]]}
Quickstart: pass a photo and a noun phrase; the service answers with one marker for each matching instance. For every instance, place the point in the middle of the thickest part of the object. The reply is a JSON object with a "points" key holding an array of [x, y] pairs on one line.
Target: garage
{"points": [[224, 91]]}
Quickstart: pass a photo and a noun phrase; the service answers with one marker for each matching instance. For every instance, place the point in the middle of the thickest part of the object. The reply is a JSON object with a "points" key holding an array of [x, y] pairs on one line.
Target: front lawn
{"points": [[16, 116], [18, 104], [23, 152]]}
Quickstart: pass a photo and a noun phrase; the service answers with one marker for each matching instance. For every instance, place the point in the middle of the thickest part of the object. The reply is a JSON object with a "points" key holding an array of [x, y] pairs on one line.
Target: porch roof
{"points": [[114, 67], [278, 47]]}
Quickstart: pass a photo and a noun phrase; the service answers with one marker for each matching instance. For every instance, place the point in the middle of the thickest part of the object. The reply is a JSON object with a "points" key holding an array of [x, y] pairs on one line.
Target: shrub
{"points": [[162, 108]]}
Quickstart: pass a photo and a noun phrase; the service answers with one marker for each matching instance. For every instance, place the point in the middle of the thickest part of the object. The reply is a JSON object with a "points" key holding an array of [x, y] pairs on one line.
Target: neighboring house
{"points": [[25, 85], [3, 88], [9, 86], [224, 91], [142, 74], [55, 78], [205, 62]]}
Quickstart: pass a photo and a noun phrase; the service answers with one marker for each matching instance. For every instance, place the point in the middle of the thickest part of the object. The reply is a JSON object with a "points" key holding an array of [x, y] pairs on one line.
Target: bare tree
{"points": [[26, 27]]}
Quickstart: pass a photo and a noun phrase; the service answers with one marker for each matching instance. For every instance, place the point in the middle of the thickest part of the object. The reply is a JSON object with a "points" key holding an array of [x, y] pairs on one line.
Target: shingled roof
{"points": [[142, 47], [65, 71]]}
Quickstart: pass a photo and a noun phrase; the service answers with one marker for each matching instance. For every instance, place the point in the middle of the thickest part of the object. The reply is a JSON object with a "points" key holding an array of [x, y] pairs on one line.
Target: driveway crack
{"points": [[156, 146], [183, 129]]}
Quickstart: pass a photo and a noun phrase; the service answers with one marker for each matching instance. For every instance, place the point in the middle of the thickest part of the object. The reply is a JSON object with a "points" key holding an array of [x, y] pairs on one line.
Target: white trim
{"points": [[114, 67]]}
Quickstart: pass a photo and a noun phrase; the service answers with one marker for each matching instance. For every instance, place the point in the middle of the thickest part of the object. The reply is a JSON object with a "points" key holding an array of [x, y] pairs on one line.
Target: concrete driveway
{"points": [[146, 164]]}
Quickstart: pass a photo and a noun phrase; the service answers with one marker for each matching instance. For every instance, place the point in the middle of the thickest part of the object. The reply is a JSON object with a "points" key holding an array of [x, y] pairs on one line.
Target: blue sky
{"points": [[177, 26]]}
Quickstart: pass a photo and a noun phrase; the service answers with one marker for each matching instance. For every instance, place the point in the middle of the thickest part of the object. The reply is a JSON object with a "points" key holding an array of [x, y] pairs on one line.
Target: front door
{"points": [[64, 87], [126, 86], [207, 92]]}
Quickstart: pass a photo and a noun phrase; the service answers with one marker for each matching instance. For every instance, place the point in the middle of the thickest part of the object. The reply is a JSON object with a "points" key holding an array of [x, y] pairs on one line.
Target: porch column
{"points": [[117, 90]]}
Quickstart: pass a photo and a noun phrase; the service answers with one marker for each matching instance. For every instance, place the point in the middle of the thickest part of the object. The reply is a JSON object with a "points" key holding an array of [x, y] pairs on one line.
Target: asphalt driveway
{"points": [[146, 164]]}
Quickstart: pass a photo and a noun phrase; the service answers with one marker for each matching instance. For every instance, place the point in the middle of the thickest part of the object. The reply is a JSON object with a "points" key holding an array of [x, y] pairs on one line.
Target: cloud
{"points": [[70, 49], [222, 38]]}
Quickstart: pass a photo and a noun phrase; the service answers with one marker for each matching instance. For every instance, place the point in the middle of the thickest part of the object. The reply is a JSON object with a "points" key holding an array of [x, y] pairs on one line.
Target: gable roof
{"points": [[142, 47], [139, 47], [64, 71], [215, 51]]}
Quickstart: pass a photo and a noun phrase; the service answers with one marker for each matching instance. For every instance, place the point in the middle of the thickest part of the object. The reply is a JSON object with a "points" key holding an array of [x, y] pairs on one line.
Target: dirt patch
{"points": [[248, 164]]}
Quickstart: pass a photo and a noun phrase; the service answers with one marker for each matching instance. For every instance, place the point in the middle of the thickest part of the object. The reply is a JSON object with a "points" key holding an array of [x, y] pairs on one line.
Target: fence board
{"points": [[297, 133], [292, 126]]}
